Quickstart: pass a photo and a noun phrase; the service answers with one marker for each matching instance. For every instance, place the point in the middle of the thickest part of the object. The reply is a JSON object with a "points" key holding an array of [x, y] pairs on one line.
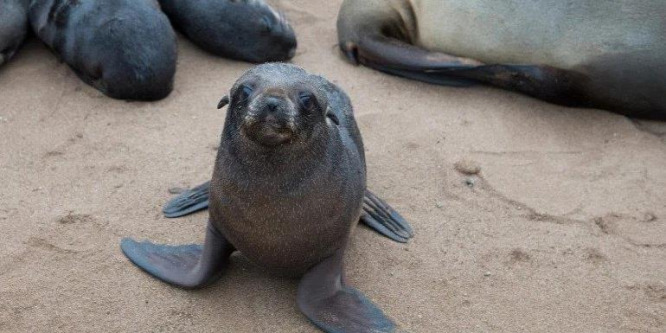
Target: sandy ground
{"points": [[564, 230]]}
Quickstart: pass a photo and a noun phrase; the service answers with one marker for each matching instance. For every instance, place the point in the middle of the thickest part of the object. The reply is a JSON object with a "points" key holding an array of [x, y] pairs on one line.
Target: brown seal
{"points": [[588, 53], [288, 188]]}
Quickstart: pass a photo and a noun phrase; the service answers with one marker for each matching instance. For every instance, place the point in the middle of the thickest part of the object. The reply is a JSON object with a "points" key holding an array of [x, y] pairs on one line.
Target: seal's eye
{"points": [[307, 100], [245, 92]]}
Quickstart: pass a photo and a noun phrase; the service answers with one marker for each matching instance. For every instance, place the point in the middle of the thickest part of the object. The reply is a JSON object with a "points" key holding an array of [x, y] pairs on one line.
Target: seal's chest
{"points": [[287, 233], [283, 212]]}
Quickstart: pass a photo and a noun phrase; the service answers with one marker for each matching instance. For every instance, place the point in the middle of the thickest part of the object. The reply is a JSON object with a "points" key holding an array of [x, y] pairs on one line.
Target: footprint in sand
{"points": [[594, 256], [643, 230], [519, 255], [71, 233], [296, 15]]}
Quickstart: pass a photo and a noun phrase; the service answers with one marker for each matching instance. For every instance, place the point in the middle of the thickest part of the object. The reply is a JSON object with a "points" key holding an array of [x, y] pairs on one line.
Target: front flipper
{"points": [[186, 266], [188, 202], [334, 307], [378, 215]]}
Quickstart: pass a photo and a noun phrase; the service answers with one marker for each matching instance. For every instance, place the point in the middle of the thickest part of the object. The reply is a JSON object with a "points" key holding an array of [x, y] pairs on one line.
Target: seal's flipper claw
{"points": [[188, 202], [379, 216], [324, 298], [186, 266]]}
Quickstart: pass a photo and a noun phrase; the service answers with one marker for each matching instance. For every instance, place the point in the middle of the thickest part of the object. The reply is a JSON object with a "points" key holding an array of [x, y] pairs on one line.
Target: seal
{"points": [[124, 48], [288, 188], [13, 27], [243, 30], [584, 53]]}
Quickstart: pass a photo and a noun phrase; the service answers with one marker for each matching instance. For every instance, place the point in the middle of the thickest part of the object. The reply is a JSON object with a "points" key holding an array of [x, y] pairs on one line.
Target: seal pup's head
{"points": [[276, 105], [257, 32]]}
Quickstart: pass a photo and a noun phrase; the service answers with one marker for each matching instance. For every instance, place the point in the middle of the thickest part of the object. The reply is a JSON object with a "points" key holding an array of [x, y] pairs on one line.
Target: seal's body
{"points": [[589, 53], [287, 190], [13, 27], [243, 30], [290, 206], [124, 48]]}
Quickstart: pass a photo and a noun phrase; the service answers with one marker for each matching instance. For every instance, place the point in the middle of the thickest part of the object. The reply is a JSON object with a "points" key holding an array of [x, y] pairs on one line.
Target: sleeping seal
{"points": [[13, 27], [601, 54], [124, 48], [288, 188], [242, 30]]}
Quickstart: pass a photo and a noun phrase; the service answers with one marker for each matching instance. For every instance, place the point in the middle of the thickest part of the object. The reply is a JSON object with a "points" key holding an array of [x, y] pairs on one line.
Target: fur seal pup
{"points": [[588, 53], [13, 27], [242, 30], [287, 190], [124, 48]]}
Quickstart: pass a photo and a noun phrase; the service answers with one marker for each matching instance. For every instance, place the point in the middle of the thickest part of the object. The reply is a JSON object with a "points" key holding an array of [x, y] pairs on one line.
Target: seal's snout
{"points": [[269, 121], [272, 104]]}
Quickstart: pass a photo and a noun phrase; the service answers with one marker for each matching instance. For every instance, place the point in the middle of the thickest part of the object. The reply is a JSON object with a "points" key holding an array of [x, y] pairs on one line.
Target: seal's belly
{"points": [[289, 234], [558, 33]]}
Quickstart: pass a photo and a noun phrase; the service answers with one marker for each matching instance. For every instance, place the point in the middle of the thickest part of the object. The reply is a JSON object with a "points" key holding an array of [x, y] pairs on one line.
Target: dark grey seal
{"points": [[288, 188], [124, 48], [248, 30], [589, 53], [13, 27]]}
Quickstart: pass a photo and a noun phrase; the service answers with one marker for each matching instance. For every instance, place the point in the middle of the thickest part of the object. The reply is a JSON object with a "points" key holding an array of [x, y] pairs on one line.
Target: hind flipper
{"points": [[186, 266], [188, 202], [396, 57], [329, 303], [379, 216]]}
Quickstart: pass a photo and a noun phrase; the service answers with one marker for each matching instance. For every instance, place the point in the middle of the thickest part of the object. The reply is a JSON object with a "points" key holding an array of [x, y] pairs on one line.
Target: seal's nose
{"points": [[272, 104]]}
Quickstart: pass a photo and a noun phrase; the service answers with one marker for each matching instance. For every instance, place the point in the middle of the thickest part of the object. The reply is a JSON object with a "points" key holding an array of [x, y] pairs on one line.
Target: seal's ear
{"points": [[330, 115], [224, 101]]}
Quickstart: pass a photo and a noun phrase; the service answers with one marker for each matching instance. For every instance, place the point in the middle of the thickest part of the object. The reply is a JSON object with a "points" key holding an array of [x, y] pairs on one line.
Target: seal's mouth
{"points": [[268, 132]]}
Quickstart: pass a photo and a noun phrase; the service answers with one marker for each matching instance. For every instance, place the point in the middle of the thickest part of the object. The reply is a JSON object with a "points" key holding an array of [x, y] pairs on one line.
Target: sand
{"points": [[562, 230]]}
